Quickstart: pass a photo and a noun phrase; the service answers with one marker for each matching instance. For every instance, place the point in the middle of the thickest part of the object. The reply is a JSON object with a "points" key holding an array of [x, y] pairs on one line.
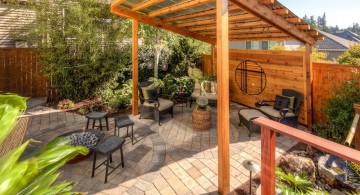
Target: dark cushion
{"points": [[153, 94], [281, 102]]}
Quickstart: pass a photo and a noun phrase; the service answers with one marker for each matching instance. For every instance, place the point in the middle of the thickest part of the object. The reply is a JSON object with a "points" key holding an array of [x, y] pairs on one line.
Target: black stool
{"points": [[107, 148], [124, 121], [97, 116]]}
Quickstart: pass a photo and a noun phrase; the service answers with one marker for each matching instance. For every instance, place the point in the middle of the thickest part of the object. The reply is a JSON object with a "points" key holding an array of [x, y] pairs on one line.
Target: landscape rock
{"points": [[291, 163]]}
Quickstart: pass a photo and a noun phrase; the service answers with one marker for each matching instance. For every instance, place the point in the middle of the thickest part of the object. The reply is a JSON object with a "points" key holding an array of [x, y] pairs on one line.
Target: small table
{"points": [[181, 98], [97, 116], [124, 121]]}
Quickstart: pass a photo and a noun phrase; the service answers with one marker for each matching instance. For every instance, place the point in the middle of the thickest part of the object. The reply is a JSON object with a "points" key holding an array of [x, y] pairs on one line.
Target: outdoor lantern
{"points": [[252, 167]]}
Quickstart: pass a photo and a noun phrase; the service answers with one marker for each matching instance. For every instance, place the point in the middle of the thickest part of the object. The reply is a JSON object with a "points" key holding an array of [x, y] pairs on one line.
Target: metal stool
{"points": [[97, 116], [124, 121], [107, 148]]}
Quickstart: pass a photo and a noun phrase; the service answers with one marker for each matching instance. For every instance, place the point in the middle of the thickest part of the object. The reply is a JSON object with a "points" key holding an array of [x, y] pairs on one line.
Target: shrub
{"points": [[339, 110], [84, 110], [121, 97], [65, 104], [351, 56]]}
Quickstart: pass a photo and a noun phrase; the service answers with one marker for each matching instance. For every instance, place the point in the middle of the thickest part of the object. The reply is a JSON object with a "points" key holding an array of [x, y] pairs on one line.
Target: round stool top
{"points": [[109, 145], [96, 115], [123, 121]]}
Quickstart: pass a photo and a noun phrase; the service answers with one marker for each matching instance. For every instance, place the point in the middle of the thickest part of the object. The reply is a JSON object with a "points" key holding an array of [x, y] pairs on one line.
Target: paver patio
{"points": [[168, 159]]}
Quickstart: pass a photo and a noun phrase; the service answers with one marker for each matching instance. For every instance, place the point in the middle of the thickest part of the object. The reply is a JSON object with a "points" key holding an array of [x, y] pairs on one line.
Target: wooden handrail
{"points": [[269, 129]]}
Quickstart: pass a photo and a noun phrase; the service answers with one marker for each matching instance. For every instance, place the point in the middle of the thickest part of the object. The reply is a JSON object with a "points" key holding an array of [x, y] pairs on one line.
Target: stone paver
{"points": [[169, 159]]}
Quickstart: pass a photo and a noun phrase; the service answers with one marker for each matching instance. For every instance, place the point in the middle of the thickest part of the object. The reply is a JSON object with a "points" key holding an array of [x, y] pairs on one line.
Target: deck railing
{"points": [[269, 129]]}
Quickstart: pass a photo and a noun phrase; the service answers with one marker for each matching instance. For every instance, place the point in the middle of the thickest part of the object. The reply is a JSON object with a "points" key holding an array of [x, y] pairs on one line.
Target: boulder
{"points": [[295, 164]]}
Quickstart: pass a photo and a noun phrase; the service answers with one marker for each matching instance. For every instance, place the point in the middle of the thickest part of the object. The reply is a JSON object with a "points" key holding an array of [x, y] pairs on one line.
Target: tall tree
{"points": [[158, 39], [78, 43]]}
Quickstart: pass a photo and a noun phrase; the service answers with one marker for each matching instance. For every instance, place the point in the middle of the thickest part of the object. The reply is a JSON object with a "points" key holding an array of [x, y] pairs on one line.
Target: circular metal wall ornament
{"points": [[250, 77]]}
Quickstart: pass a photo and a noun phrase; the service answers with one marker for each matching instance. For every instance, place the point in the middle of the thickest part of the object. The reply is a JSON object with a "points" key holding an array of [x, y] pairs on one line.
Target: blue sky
{"points": [[342, 13]]}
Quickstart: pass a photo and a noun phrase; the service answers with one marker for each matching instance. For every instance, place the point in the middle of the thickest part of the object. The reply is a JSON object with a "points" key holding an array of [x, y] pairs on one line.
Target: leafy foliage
{"points": [[122, 96], [293, 184], [65, 104], [278, 47], [352, 56], [36, 173], [339, 110], [185, 54], [78, 42]]}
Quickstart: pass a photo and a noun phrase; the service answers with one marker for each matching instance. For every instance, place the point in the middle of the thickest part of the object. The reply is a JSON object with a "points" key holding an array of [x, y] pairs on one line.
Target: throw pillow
{"points": [[281, 102], [153, 94], [291, 102], [145, 91]]}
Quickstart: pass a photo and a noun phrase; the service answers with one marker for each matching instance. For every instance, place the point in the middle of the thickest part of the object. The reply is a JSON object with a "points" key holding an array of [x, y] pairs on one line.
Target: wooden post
{"points": [[268, 141], [308, 86], [135, 67], [357, 131], [222, 40]]}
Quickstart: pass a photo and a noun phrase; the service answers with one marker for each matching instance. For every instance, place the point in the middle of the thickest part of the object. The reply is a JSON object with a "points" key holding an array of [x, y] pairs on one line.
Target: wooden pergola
{"points": [[217, 22]]}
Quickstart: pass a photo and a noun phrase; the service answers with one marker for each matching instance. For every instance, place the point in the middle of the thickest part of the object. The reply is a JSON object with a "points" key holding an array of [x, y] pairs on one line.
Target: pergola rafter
{"points": [[216, 22]]}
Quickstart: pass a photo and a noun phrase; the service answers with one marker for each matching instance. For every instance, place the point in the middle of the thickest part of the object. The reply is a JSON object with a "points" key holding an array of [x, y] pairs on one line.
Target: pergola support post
{"points": [[135, 67], [308, 86], [222, 40]]}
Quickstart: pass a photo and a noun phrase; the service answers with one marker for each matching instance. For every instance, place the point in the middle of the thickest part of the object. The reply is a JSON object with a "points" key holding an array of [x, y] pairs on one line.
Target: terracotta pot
{"points": [[201, 119]]}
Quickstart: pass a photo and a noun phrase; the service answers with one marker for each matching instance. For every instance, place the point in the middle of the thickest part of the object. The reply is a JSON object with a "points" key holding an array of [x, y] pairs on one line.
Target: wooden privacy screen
{"points": [[283, 69], [21, 73], [326, 77]]}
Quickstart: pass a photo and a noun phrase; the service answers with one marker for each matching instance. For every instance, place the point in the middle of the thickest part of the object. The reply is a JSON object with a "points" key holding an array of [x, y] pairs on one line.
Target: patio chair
{"points": [[285, 109], [150, 105]]}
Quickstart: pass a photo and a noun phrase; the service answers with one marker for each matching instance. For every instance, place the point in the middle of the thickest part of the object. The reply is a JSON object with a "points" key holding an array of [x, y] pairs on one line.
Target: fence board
{"points": [[326, 77], [21, 73]]}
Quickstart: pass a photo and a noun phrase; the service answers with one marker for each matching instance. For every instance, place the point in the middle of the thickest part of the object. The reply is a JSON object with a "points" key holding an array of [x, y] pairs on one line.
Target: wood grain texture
{"points": [[268, 141], [283, 70], [325, 78], [223, 124], [21, 73], [135, 67]]}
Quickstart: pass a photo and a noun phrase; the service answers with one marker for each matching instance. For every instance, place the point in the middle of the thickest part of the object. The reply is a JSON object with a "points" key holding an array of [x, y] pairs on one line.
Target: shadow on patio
{"points": [[168, 159]]}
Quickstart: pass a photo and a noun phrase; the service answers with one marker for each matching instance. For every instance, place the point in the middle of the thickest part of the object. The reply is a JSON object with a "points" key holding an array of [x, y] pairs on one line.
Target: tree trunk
{"points": [[156, 64]]}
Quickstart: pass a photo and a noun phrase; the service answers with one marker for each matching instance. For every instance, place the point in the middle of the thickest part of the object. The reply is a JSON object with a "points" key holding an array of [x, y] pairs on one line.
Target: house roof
{"points": [[349, 36], [332, 42], [251, 20]]}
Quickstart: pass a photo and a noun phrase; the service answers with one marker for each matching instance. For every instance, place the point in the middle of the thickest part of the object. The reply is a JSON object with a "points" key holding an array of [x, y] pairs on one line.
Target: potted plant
{"points": [[201, 115]]}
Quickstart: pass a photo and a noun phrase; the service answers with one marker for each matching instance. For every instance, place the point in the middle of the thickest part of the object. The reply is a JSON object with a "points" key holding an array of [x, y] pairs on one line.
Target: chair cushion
{"points": [[273, 112], [145, 91], [281, 102], [291, 102], [251, 114], [164, 104]]}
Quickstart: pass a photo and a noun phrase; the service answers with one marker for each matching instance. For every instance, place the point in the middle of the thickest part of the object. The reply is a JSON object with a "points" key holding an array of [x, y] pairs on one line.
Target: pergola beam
{"points": [[145, 4], [245, 31], [213, 20], [199, 14], [230, 26], [267, 15], [267, 2], [118, 2], [281, 12], [147, 20], [178, 6]]}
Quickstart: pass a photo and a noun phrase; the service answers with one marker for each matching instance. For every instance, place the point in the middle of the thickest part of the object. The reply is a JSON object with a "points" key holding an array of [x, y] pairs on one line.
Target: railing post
{"points": [[268, 141]]}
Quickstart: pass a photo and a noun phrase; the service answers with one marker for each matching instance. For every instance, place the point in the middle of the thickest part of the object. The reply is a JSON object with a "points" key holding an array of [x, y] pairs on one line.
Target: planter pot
{"points": [[201, 119]]}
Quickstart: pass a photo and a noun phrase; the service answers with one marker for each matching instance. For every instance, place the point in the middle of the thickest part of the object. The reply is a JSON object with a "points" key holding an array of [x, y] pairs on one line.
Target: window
{"points": [[265, 45]]}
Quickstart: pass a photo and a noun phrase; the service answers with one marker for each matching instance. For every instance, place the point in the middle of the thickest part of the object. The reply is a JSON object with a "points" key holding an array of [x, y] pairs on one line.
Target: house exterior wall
{"points": [[12, 22], [332, 54]]}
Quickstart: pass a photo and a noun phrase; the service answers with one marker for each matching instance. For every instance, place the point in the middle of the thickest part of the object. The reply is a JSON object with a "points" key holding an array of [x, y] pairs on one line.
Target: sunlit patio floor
{"points": [[169, 159]]}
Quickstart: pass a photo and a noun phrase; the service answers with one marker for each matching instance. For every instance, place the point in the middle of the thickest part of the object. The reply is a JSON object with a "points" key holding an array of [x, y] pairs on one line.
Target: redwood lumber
{"points": [[135, 66], [268, 141], [222, 33]]}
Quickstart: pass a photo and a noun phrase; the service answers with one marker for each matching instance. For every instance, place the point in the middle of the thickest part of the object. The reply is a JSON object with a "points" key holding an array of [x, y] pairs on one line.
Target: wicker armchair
{"points": [[285, 115], [153, 108], [15, 137]]}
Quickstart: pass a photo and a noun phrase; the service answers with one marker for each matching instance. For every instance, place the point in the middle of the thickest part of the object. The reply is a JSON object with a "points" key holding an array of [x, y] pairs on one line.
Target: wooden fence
{"points": [[325, 78], [21, 73]]}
